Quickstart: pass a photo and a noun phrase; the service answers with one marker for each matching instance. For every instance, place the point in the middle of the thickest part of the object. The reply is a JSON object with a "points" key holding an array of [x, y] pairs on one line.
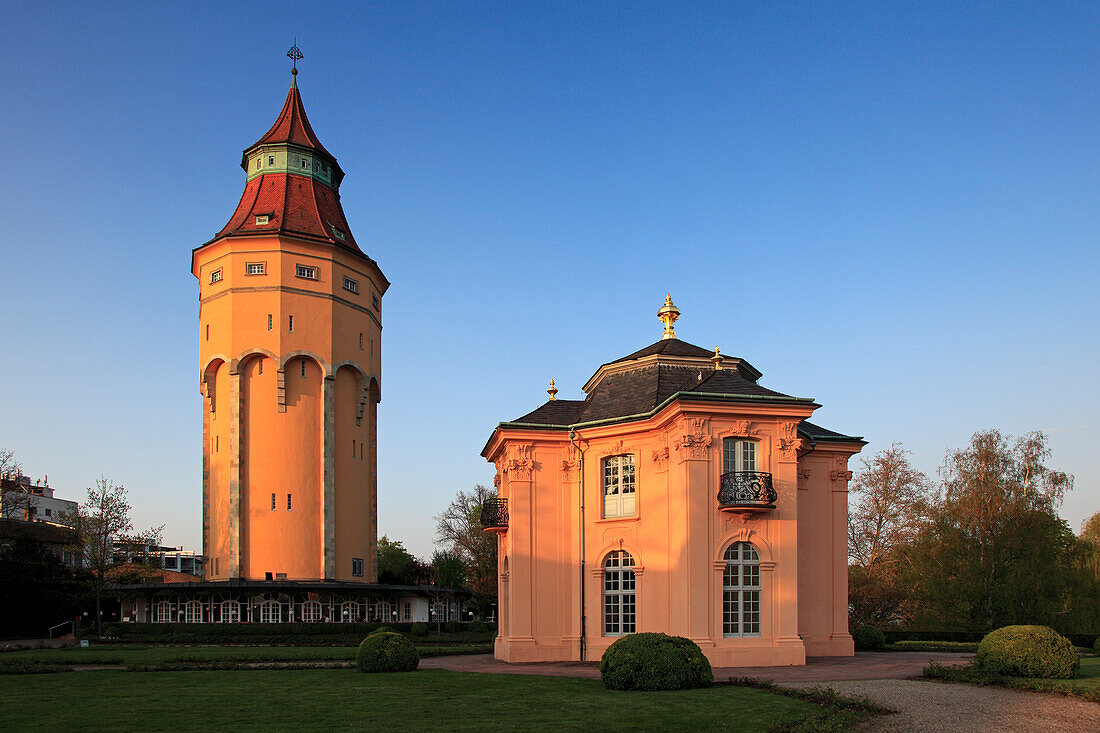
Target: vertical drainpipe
{"points": [[572, 436]]}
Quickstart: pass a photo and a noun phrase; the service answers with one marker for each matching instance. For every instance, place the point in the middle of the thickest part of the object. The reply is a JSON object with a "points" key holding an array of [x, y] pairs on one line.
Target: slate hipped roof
{"points": [[634, 393]]}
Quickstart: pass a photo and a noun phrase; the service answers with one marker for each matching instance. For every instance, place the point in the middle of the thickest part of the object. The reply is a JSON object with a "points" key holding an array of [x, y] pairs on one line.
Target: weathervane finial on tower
{"points": [[295, 55]]}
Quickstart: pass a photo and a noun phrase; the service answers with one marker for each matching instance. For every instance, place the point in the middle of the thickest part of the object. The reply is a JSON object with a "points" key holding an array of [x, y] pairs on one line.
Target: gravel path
{"points": [[930, 707]]}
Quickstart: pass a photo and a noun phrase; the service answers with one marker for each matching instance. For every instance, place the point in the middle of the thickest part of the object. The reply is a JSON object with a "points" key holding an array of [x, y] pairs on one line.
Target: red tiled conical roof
{"points": [[292, 126]]}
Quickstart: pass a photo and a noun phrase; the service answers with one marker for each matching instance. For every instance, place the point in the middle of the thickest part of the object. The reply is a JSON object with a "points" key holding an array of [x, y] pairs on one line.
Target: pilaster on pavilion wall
{"points": [[207, 547], [785, 547], [519, 473], [328, 481], [838, 482], [692, 510], [372, 468]]}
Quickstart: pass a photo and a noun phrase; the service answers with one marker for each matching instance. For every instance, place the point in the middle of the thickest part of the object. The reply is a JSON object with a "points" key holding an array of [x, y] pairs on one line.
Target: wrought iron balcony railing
{"points": [[494, 515], [746, 491]]}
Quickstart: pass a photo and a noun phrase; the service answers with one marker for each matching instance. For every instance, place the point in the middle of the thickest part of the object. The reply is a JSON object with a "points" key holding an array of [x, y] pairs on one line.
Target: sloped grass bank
{"points": [[60, 660], [347, 699], [1086, 685]]}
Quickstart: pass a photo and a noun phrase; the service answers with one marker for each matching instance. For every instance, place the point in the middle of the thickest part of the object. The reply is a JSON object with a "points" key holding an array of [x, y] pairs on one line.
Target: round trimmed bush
{"points": [[868, 637], [651, 661], [419, 629], [111, 631], [1028, 651], [386, 652]]}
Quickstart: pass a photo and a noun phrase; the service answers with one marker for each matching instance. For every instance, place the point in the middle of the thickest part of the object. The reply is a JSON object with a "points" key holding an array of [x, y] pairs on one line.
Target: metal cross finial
{"points": [[294, 54]]}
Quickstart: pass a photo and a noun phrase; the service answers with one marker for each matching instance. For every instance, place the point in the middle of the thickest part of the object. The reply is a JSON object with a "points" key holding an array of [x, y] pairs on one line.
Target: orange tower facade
{"points": [[290, 338]]}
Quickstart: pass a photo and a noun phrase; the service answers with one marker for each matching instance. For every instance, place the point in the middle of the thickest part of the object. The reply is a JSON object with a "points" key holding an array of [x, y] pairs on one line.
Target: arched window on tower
{"points": [[618, 594], [741, 591]]}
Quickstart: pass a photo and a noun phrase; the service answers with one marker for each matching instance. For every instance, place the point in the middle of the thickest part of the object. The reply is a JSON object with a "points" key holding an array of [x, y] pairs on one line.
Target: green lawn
{"points": [[346, 699], [118, 654]]}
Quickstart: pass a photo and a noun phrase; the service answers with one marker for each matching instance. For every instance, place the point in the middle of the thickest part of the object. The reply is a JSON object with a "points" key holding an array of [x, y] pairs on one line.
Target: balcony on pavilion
{"points": [[746, 491], [494, 515]]}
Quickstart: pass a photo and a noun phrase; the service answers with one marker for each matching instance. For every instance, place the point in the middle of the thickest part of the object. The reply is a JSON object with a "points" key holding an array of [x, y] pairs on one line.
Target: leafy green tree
{"points": [[994, 551], [448, 570], [396, 565], [37, 590]]}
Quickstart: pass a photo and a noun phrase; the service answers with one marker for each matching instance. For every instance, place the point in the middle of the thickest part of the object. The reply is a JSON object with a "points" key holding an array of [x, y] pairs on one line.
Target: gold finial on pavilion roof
{"points": [[553, 391], [668, 315], [717, 359]]}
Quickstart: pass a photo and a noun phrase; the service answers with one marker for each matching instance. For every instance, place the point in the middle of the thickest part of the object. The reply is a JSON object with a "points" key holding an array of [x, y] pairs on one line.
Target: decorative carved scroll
{"points": [[519, 464], [696, 439]]}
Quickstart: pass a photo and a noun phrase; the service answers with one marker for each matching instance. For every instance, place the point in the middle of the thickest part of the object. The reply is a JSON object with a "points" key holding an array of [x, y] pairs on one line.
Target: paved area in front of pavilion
{"points": [[863, 666]]}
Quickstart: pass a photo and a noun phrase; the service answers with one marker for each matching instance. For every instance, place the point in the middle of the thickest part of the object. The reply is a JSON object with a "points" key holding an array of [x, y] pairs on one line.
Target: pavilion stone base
{"points": [[836, 645], [721, 653]]}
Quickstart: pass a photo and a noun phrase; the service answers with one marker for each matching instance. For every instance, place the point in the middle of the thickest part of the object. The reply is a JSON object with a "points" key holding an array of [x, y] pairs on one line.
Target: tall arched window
{"points": [[618, 594], [192, 612], [311, 611], [741, 591], [231, 612], [271, 612], [618, 486], [163, 612]]}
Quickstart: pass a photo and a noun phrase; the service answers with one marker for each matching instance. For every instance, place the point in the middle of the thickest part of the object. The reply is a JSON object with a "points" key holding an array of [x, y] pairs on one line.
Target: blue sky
{"points": [[889, 207]]}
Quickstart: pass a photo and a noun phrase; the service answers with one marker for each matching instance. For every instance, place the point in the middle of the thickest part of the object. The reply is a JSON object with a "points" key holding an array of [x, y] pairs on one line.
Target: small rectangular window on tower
{"points": [[288, 505], [216, 276], [261, 361], [339, 234], [271, 160], [374, 301], [309, 273], [268, 321], [290, 324], [352, 286], [303, 367], [272, 502], [255, 268], [208, 332], [360, 342]]}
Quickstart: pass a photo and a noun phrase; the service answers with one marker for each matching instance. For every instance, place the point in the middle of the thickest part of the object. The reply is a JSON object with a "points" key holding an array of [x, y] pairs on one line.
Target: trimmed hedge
{"points": [[652, 661], [1028, 651], [386, 652], [869, 638], [419, 629], [312, 634], [892, 637]]}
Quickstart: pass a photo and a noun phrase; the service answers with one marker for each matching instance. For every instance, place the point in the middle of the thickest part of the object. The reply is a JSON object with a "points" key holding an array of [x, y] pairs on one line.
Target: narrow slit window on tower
{"points": [[208, 332], [374, 301], [290, 324], [272, 502], [261, 361], [271, 160], [303, 367], [360, 342], [288, 503], [268, 321]]}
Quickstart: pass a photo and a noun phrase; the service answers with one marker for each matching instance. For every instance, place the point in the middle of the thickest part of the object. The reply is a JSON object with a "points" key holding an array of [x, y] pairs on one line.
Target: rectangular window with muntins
{"points": [[307, 272], [618, 486], [255, 268], [216, 276], [350, 285]]}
